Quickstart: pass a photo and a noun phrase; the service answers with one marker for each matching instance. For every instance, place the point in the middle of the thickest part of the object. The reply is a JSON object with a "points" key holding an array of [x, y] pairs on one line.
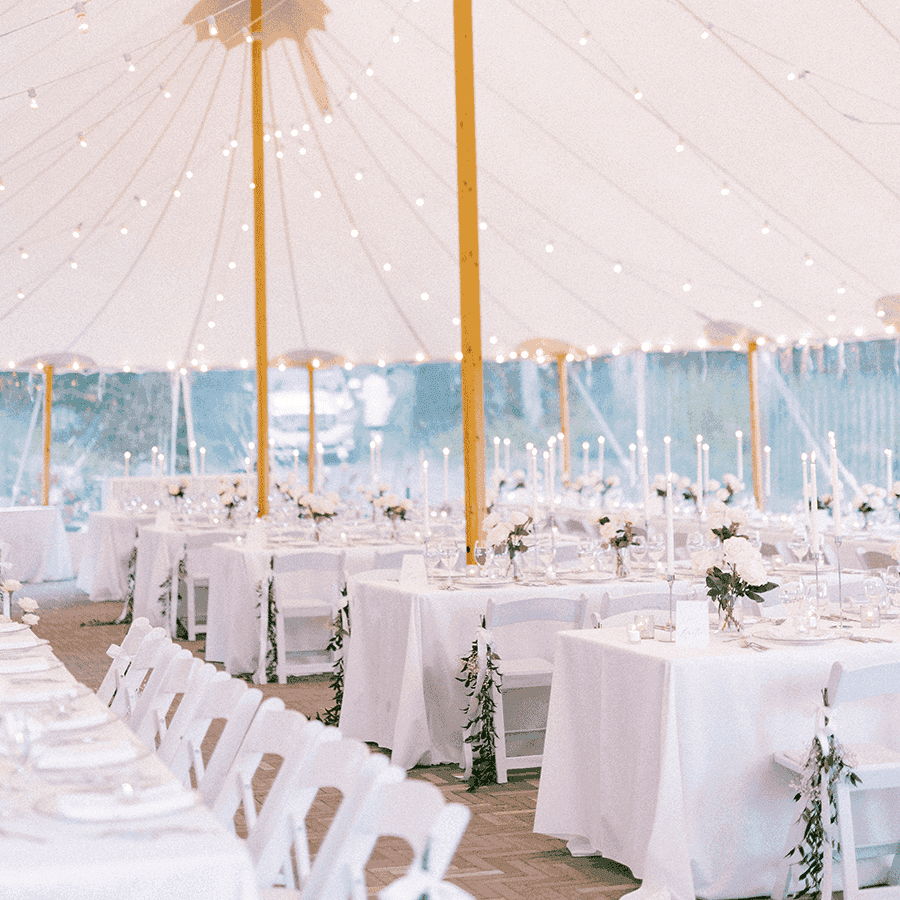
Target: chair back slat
{"points": [[569, 610], [849, 683]]}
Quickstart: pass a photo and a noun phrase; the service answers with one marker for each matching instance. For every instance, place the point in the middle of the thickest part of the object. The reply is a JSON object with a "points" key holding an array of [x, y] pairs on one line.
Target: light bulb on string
{"points": [[2, 185], [23, 253], [76, 232], [617, 268], [679, 147], [765, 228], [245, 31], [638, 93], [370, 71], [807, 260], [73, 264], [395, 37], [294, 132], [725, 190], [21, 294], [33, 94], [127, 58], [842, 289], [211, 23], [757, 303], [420, 201], [124, 230], [81, 18], [584, 38], [353, 95], [328, 119], [82, 140]]}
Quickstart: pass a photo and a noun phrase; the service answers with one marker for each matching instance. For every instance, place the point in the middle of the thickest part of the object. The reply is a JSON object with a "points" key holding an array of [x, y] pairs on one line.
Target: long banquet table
{"points": [[111, 539], [39, 548], [99, 815], [403, 659], [660, 757]]}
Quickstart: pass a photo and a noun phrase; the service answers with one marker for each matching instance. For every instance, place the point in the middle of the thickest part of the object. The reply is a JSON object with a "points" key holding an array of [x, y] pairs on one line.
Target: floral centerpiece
{"points": [[509, 536], [8, 587], [607, 484], [690, 491], [869, 499], [177, 489], [741, 574], [731, 486], [28, 607], [617, 532], [824, 502], [232, 493], [312, 506], [516, 480], [392, 507], [723, 522], [661, 485]]}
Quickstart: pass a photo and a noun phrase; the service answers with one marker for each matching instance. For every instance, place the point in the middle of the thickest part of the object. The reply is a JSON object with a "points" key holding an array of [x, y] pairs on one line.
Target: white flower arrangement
{"points": [[10, 585], [608, 483], [742, 574], [617, 530], [232, 492], [311, 506], [732, 485], [508, 536], [724, 522], [177, 489], [661, 484], [28, 607], [869, 499], [516, 479], [392, 506]]}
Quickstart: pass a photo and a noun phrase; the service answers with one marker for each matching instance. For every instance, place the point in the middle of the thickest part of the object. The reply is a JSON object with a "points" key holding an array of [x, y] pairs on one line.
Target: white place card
{"points": [[413, 572], [692, 623]]}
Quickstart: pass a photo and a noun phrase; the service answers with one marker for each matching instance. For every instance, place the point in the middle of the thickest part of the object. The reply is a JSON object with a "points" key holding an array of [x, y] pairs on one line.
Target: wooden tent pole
{"points": [[48, 421], [470, 297], [311, 454], [755, 424], [562, 376], [259, 231]]}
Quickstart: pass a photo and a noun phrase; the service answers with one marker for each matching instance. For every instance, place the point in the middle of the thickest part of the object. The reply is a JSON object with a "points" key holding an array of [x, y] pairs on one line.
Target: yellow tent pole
{"points": [[469, 288], [48, 408], [562, 375], [311, 455], [755, 427], [259, 231]]}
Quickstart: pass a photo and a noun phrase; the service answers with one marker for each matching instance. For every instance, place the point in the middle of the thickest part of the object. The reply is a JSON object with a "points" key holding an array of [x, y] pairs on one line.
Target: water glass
{"points": [[875, 591], [483, 554]]}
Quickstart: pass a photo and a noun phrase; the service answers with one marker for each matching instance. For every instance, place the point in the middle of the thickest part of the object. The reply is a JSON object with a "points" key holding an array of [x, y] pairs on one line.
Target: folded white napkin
{"points": [[80, 720], [28, 664], [37, 692], [26, 639], [6, 627], [83, 756], [98, 807]]}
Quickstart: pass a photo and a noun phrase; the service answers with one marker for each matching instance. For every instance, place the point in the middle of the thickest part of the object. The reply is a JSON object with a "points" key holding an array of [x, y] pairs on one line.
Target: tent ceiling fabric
{"points": [[598, 231]]}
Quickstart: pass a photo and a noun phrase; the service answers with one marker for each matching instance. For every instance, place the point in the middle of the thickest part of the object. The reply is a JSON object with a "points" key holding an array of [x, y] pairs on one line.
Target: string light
{"points": [[245, 31], [704, 34], [686, 286], [211, 22], [73, 264], [33, 94], [232, 264], [842, 290], [395, 37], [76, 232], [832, 317], [791, 76], [420, 201], [226, 151], [725, 190], [807, 260], [765, 228], [127, 58], [220, 297], [424, 295], [82, 140], [354, 232], [482, 225], [306, 126], [638, 93], [302, 150], [81, 18], [493, 339], [353, 95], [370, 71], [645, 346], [245, 227], [2, 185], [420, 356], [617, 268], [279, 154], [278, 133], [387, 267], [233, 143], [23, 252], [328, 119], [359, 176], [549, 248], [757, 303], [124, 230], [21, 294], [584, 38], [211, 324], [317, 194], [679, 147]]}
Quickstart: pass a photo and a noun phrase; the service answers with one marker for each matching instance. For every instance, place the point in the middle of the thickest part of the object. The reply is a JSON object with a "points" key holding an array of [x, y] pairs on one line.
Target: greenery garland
{"points": [[271, 632], [481, 733], [835, 766], [126, 617], [332, 715]]}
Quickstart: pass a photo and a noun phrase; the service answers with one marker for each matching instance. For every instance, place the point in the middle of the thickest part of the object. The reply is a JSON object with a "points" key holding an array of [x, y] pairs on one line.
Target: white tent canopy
{"points": [[645, 169]]}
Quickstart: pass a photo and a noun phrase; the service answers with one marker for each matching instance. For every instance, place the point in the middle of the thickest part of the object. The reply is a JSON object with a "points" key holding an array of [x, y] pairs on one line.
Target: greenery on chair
{"points": [[340, 628]]}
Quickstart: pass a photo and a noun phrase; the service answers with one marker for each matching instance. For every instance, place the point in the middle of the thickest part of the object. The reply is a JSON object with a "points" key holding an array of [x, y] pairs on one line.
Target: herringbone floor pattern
{"points": [[500, 857]]}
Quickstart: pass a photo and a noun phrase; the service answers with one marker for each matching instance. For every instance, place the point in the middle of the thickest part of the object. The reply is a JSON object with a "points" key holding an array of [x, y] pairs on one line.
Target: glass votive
{"points": [[869, 616], [646, 626], [634, 635]]}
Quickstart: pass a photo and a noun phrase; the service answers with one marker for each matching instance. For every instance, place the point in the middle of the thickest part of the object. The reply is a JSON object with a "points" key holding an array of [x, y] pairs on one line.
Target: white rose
{"points": [[10, 585], [613, 481], [712, 485], [684, 483], [736, 549], [608, 532], [490, 520], [722, 494], [717, 508], [703, 560], [659, 483], [497, 535], [517, 517], [332, 497], [30, 619], [752, 570], [26, 604]]}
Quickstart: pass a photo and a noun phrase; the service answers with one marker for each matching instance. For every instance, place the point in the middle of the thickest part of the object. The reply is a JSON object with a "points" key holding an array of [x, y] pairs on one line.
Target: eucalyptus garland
{"points": [[340, 628], [271, 632], [481, 733], [835, 766], [128, 613]]}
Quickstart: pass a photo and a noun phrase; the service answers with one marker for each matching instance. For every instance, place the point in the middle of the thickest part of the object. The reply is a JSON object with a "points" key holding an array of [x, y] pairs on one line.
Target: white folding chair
{"points": [[285, 733], [347, 766], [182, 673], [525, 679], [198, 568], [222, 697], [154, 650], [878, 768], [307, 592], [121, 656], [413, 810], [612, 605]]}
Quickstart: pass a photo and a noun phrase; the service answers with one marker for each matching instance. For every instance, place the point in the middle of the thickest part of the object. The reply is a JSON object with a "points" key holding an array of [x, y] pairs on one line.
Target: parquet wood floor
{"points": [[499, 858]]}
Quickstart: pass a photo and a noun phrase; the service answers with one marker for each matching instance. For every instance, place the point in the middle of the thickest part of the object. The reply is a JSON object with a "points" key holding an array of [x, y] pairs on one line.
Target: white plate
{"points": [[797, 640], [9, 627], [589, 577], [116, 806], [28, 664], [466, 581], [18, 645]]}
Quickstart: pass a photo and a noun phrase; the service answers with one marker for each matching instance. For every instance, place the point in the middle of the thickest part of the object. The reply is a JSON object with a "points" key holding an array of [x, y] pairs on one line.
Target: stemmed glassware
{"points": [[799, 545], [484, 554], [546, 553], [449, 554], [875, 591]]}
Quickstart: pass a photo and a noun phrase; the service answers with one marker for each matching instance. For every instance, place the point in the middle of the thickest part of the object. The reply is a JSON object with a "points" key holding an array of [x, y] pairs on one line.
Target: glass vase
{"points": [[731, 614], [623, 562]]}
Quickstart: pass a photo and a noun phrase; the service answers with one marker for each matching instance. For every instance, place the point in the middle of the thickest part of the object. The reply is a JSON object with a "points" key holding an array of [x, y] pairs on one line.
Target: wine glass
{"points": [[875, 590], [892, 584], [449, 553], [586, 555], [433, 557], [694, 542], [799, 545], [656, 547], [546, 553], [483, 554]]}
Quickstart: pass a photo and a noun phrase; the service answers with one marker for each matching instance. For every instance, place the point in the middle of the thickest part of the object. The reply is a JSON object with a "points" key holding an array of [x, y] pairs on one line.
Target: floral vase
{"points": [[515, 568], [623, 566], [728, 620]]}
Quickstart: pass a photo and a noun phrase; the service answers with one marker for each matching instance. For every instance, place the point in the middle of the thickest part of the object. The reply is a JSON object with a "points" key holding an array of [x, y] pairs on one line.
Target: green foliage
{"points": [[332, 715]]}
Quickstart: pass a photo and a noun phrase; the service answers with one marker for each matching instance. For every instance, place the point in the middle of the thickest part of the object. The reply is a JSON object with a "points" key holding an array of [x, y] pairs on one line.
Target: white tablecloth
{"points": [[182, 855], [39, 548], [232, 634], [659, 757], [118, 493], [400, 687], [111, 538]]}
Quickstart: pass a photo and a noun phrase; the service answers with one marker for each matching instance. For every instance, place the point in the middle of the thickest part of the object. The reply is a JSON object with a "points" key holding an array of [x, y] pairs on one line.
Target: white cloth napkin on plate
{"points": [[35, 693], [6, 627], [83, 756], [98, 807], [23, 642], [30, 664], [80, 720]]}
